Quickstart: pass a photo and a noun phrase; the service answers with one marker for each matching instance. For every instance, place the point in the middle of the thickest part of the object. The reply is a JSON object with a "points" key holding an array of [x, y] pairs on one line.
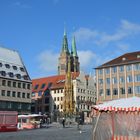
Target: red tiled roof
{"points": [[123, 59], [56, 81]]}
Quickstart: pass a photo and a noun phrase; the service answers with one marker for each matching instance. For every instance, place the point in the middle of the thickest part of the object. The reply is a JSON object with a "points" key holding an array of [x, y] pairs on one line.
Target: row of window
{"points": [[84, 91], [16, 84], [58, 98], [42, 86], [14, 105], [12, 75], [14, 67], [129, 79], [47, 92], [83, 98], [15, 94], [122, 91], [121, 69]]}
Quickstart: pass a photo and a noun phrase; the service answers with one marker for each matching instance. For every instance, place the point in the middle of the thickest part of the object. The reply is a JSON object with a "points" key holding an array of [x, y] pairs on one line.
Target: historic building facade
{"points": [[119, 78], [65, 54], [15, 83], [48, 94]]}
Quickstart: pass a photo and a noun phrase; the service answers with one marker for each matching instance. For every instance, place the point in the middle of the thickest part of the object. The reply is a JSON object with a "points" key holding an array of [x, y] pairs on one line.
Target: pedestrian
{"points": [[63, 122]]}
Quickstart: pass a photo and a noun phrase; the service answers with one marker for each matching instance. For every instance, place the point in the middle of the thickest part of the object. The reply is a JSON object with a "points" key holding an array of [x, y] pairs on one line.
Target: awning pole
{"points": [[94, 129]]}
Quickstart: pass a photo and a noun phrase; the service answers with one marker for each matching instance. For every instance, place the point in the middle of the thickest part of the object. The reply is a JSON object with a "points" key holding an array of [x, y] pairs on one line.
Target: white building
{"points": [[15, 83]]}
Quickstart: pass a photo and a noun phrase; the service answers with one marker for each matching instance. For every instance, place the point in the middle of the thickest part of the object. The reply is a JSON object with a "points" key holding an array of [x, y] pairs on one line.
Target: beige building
{"points": [[15, 83], [84, 94], [119, 78]]}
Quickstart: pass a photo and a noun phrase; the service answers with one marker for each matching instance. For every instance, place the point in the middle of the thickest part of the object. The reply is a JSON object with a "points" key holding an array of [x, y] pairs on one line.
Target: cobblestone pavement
{"points": [[54, 132]]}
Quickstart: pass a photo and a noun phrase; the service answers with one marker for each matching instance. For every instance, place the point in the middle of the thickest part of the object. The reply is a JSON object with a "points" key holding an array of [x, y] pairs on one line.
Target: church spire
{"points": [[65, 43], [73, 49]]}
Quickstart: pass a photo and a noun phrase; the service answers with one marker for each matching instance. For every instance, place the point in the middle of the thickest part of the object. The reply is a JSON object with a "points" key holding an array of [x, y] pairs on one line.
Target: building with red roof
{"points": [[119, 78]]}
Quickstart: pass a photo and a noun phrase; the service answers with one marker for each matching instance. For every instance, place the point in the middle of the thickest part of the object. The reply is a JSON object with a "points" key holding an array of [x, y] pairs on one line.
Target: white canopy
{"points": [[132, 103]]}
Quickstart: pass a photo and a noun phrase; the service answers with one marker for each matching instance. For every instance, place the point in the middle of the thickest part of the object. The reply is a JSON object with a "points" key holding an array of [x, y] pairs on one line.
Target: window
{"points": [[54, 98], [130, 90], [23, 95], [137, 78], [100, 81], [33, 94], [15, 67], [36, 86], [121, 68], [107, 80], [19, 85], [14, 84], [107, 71], [129, 78], [137, 89], [9, 83], [7, 66], [11, 74], [114, 80], [128, 67], [57, 98], [114, 69], [28, 86], [3, 92], [3, 82], [22, 69], [43, 85], [18, 94], [107, 91], [137, 67], [8, 93], [122, 79], [28, 95], [0, 64], [61, 98], [122, 90], [100, 71], [3, 73], [26, 77], [13, 94], [18, 76], [24, 85], [101, 92], [115, 91], [46, 100], [40, 93]]}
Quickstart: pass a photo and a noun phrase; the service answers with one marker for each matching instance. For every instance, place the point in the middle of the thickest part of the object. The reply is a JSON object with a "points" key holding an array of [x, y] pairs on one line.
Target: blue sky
{"points": [[104, 29]]}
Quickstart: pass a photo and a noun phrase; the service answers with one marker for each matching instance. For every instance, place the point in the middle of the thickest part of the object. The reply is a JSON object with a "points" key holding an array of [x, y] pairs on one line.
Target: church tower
{"points": [[63, 59], [64, 56], [74, 57]]}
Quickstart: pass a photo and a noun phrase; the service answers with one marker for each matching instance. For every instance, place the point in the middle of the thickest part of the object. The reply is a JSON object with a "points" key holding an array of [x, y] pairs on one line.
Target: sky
{"points": [[104, 30]]}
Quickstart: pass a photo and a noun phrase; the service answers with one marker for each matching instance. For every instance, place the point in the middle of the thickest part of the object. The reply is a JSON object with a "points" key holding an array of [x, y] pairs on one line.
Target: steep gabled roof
{"points": [[127, 58], [52, 82]]}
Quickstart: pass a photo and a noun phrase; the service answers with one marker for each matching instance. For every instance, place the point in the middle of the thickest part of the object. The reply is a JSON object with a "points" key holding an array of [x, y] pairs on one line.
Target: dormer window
{"points": [[15, 67], [22, 69], [3, 73], [26, 77], [18, 76], [11, 74], [0, 64], [123, 59], [138, 56], [7, 66]]}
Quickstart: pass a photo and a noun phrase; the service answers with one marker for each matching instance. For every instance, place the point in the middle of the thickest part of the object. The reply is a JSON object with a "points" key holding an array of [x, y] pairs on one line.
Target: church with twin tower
{"points": [[66, 54]]}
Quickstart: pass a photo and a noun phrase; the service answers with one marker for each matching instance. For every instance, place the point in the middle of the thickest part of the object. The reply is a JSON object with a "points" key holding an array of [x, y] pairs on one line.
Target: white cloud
{"points": [[125, 30], [48, 61]]}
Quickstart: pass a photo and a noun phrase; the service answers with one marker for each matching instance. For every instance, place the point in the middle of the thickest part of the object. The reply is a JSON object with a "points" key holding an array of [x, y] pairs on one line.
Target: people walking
{"points": [[63, 122]]}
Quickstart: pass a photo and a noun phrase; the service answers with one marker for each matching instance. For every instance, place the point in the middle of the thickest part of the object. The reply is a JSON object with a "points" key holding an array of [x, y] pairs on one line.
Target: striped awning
{"points": [[124, 104]]}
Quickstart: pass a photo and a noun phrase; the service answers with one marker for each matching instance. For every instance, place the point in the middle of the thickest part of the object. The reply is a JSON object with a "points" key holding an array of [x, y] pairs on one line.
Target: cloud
{"points": [[125, 30], [21, 5], [48, 61]]}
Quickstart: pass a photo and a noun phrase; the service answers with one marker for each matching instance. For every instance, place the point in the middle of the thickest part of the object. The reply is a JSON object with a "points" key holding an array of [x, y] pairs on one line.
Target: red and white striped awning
{"points": [[124, 104]]}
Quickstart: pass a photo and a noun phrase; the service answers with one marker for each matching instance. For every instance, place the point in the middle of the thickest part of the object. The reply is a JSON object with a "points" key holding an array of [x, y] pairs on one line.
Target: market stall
{"points": [[117, 120]]}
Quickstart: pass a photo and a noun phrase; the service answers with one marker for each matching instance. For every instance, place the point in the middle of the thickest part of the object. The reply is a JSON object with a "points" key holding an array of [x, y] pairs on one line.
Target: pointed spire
{"points": [[65, 43], [73, 49]]}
